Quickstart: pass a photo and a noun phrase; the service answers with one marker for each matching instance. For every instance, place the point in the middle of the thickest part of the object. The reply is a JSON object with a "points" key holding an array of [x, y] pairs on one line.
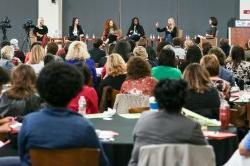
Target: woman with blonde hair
{"points": [[116, 72], [7, 53], [201, 90], [36, 58], [41, 30], [170, 30], [78, 55]]}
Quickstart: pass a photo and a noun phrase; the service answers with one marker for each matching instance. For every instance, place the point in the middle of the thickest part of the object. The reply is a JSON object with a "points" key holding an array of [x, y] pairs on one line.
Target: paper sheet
{"points": [[131, 116]]}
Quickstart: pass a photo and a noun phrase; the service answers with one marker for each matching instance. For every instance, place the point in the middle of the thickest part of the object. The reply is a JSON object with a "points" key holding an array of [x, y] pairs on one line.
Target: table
{"points": [[119, 151]]}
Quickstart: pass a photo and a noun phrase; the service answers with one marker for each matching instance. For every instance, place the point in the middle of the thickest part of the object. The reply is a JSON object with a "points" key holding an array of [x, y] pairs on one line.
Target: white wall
{"points": [[52, 14], [245, 9]]}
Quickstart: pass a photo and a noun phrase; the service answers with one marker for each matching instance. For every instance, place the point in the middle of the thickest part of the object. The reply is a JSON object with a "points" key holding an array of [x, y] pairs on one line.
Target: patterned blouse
{"points": [[241, 72], [143, 86], [222, 86]]}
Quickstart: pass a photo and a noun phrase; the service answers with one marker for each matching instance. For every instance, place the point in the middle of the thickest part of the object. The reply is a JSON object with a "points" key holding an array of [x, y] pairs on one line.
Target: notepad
{"points": [[218, 135], [131, 116]]}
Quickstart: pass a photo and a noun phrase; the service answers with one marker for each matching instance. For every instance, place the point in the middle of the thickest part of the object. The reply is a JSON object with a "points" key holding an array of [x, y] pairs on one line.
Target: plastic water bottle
{"points": [[82, 105], [153, 104], [93, 37], [224, 114]]}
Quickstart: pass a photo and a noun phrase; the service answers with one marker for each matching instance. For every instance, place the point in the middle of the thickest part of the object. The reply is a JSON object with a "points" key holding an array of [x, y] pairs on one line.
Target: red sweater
{"points": [[91, 99]]}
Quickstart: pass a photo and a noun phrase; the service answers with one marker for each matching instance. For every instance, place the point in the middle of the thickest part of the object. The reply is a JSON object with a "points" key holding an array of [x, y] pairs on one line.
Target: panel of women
{"points": [[170, 30], [135, 30], [75, 30]]}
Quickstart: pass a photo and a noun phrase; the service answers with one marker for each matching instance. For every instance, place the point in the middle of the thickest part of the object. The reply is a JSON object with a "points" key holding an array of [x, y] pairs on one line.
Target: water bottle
{"points": [[82, 105], [153, 104], [93, 37], [224, 114]]}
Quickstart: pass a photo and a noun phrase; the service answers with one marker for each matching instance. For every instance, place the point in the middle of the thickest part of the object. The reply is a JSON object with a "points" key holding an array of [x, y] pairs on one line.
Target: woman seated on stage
{"points": [[111, 31], [40, 31], [211, 32], [75, 30], [135, 30], [168, 125], [170, 30], [139, 80], [201, 90]]}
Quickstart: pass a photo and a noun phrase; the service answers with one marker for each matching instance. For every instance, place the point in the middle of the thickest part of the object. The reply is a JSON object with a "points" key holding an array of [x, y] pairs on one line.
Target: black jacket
{"points": [[72, 37], [19, 108], [138, 28], [173, 33]]}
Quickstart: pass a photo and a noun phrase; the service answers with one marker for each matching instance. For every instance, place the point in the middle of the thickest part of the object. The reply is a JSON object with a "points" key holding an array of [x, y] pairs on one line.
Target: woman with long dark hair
{"points": [[75, 30], [135, 30]]}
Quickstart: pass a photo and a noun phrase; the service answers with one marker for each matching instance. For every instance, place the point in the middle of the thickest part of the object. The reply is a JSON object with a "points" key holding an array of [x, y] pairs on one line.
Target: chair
{"points": [[107, 98], [238, 160], [212, 41], [179, 33], [138, 110], [176, 155], [65, 157], [124, 102]]}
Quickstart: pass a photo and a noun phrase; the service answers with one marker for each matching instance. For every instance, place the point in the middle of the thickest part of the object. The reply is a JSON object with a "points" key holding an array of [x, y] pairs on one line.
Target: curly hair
{"points": [[7, 52], [137, 68], [107, 27], [171, 94], [23, 82], [58, 83], [219, 54], [115, 65]]}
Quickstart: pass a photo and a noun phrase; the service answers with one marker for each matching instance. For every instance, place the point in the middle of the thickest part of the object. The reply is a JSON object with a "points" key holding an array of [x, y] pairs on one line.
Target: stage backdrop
{"points": [[18, 11], [191, 15]]}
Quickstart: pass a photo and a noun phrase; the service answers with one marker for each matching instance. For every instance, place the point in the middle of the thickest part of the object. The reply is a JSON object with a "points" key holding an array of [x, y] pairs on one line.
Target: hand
{"points": [[7, 119], [157, 25], [5, 128]]}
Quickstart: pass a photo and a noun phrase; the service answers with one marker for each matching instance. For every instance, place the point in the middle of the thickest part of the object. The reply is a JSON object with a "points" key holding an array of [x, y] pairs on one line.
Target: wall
{"points": [[52, 14], [191, 15], [18, 11]]}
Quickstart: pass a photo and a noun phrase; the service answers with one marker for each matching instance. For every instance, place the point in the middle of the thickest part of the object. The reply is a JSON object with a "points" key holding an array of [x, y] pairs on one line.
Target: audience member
{"points": [[167, 66], [139, 80], [223, 73], [244, 146], [62, 52], [224, 45], [88, 92], [211, 63], [18, 53], [36, 58], [123, 48], [239, 67], [193, 56], [152, 58], [20, 99], [206, 46], [180, 53], [200, 91], [170, 96], [4, 78], [57, 84], [116, 73], [97, 52], [7, 53], [78, 54]]}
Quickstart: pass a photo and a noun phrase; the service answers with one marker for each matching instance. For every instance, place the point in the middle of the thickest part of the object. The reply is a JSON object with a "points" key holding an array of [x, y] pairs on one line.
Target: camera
{"points": [[5, 23], [28, 25]]}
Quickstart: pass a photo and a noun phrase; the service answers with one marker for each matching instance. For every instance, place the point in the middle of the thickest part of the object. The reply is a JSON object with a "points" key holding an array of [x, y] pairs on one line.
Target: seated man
{"points": [[55, 126], [244, 147]]}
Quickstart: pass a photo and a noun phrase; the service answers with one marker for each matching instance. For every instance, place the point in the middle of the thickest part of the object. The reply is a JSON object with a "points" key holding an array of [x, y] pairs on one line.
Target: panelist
{"points": [[135, 30], [75, 30], [170, 30]]}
